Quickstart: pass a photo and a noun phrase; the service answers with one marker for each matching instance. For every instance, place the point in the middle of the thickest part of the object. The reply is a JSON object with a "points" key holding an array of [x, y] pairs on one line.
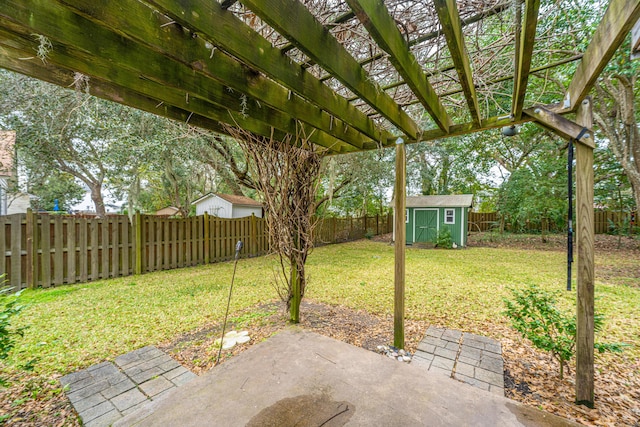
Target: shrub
{"points": [[443, 240], [534, 314], [10, 307]]}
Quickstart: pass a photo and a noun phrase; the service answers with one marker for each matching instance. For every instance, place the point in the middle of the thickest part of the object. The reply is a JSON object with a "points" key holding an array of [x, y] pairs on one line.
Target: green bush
{"points": [[10, 307], [534, 314], [443, 240]]}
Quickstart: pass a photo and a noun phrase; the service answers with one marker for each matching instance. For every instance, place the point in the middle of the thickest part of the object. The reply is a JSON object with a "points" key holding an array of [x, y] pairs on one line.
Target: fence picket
{"points": [[15, 276], [58, 254], [45, 257], [3, 246], [125, 251]]}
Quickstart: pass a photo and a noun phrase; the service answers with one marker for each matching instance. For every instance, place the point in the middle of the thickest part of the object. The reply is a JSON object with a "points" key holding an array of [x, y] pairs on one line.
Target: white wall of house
{"points": [[217, 206], [242, 211], [18, 203], [12, 203]]}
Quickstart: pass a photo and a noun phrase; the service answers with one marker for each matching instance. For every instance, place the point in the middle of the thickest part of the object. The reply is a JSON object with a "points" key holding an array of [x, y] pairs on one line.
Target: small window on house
{"points": [[406, 216], [449, 216]]}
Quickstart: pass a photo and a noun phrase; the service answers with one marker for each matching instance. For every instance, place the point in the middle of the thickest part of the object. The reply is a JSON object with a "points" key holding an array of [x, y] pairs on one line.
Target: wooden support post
{"points": [[585, 273], [400, 241], [207, 236], [139, 247]]}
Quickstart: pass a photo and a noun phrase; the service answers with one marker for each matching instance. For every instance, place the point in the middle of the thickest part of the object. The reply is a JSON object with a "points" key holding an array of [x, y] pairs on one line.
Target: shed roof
{"points": [[453, 201], [231, 198]]}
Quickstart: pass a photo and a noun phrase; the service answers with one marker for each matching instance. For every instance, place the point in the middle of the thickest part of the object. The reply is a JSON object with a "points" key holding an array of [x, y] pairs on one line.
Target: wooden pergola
{"points": [[355, 74]]}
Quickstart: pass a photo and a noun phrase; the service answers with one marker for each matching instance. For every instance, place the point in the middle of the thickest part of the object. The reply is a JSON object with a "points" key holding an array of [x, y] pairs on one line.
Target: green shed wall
{"points": [[458, 228]]}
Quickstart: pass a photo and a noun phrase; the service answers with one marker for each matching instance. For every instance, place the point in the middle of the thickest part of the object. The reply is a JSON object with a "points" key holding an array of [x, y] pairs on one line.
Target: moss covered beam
{"points": [[97, 45], [226, 31], [618, 20], [15, 60], [224, 109], [134, 23], [293, 20], [452, 29], [524, 54], [383, 29]]}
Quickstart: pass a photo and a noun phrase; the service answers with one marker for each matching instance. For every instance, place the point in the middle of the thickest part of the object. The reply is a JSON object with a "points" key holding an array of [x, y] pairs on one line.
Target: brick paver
{"points": [[470, 358], [104, 393]]}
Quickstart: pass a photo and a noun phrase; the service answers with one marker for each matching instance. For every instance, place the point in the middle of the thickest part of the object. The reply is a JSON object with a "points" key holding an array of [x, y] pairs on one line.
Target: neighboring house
{"points": [[425, 216], [227, 206], [168, 211], [10, 202]]}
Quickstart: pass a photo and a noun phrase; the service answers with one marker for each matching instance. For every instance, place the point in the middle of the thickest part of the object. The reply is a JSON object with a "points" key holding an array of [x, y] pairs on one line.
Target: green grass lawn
{"points": [[74, 326]]}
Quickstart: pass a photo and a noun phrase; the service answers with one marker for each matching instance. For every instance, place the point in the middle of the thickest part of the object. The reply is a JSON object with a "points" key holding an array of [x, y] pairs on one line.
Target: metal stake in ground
{"points": [[224, 325]]}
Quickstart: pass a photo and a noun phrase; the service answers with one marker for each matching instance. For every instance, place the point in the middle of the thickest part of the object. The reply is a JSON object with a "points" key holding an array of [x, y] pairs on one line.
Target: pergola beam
{"points": [[559, 125], [618, 20], [148, 42], [294, 21], [219, 106], [452, 29], [383, 29], [232, 35], [9, 59], [525, 53]]}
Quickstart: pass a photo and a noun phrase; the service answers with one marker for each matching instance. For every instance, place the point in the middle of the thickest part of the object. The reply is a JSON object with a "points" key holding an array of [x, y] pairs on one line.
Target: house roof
{"points": [[231, 198], [168, 210], [7, 144], [453, 201]]}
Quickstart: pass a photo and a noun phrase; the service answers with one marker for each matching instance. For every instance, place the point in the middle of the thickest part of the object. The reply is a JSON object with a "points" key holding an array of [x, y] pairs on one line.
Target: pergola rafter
{"points": [[276, 67], [292, 19], [524, 51], [452, 29], [385, 32]]}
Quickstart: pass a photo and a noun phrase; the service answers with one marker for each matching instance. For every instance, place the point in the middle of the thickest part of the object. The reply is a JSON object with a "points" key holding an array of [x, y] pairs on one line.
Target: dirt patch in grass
{"points": [[197, 352], [35, 401], [554, 242]]}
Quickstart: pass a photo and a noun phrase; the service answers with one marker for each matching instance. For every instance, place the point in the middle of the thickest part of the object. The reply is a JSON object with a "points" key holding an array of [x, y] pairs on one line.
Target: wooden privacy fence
{"points": [[335, 230], [603, 222], [41, 250]]}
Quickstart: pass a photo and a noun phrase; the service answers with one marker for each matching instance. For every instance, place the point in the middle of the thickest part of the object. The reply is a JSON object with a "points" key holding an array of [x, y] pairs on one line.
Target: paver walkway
{"points": [[473, 359], [104, 393]]}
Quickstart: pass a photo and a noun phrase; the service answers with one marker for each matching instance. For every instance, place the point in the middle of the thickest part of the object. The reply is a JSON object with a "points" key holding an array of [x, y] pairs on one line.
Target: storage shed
{"points": [[227, 206], [425, 216]]}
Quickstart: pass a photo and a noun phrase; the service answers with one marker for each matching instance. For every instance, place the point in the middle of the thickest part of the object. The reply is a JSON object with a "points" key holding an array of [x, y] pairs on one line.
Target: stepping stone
{"points": [[470, 358], [104, 393]]}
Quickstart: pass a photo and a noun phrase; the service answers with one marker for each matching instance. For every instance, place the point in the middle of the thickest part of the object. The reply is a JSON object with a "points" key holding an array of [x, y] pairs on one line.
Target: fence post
{"points": [[254, 236], [138, 247], [31, 257], [207, 235]]}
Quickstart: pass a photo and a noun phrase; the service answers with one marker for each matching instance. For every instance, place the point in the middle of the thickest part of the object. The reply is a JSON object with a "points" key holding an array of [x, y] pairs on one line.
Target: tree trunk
{"points": [[616, 117], [296, 287], [98, 201]]}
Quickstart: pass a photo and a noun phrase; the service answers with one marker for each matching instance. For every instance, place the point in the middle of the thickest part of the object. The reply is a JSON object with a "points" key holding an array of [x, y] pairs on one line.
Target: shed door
{"points": [[425, 225]]}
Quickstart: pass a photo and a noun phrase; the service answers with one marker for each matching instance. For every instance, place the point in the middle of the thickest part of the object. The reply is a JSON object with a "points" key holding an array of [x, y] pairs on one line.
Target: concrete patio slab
{"points": [[304, 379]]}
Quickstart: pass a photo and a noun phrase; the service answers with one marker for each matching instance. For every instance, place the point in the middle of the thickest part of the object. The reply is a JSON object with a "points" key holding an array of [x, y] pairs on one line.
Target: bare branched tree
{"points": [[287, 173]]}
